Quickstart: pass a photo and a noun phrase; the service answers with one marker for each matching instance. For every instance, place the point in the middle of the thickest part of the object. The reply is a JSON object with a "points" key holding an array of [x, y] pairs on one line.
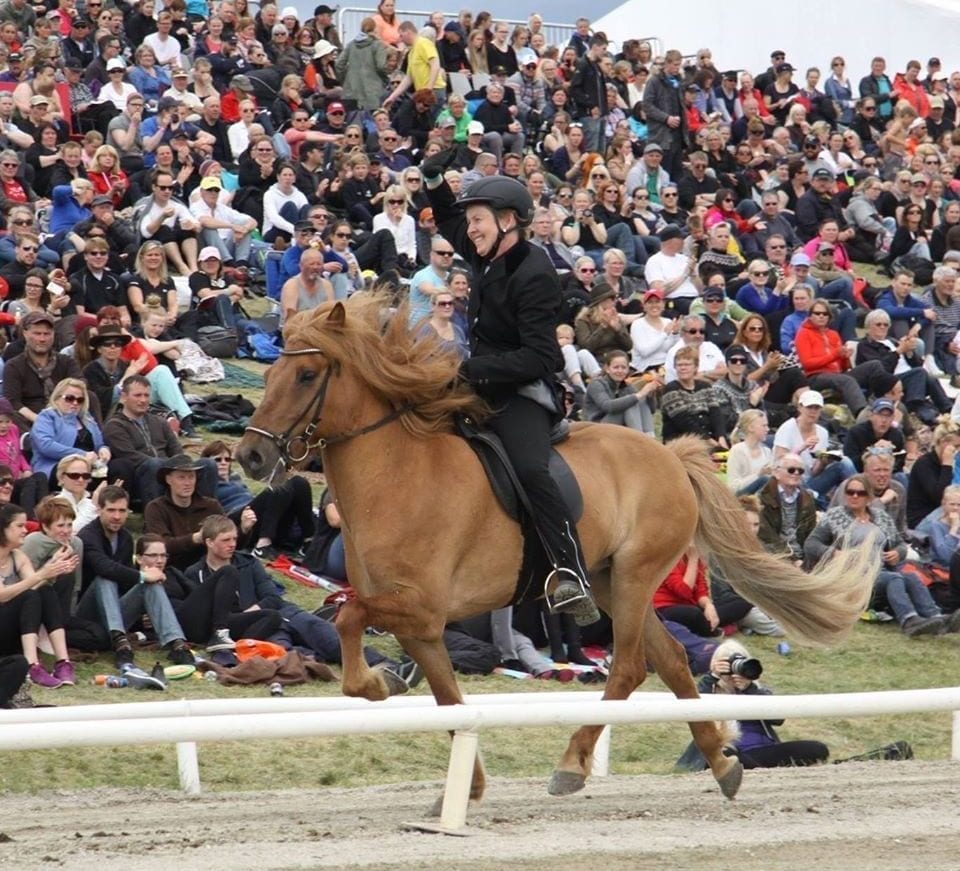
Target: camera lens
{"points": [[741, 666]]}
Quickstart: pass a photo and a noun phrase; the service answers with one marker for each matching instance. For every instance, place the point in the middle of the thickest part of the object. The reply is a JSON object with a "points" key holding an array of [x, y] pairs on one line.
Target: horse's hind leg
{"points": [[627, 672], [433, 659], [668, 658]]}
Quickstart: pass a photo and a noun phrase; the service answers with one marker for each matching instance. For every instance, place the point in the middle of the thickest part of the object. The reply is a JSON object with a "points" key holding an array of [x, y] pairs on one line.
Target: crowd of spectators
{"points": [[769, 264]]}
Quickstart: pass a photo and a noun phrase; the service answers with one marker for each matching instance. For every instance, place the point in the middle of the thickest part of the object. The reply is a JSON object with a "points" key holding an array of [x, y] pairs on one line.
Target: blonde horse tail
{"points": [[819, 607]]}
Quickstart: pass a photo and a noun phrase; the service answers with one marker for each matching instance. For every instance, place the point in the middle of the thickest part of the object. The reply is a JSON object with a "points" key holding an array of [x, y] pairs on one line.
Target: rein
{"points": [[285, 443]]}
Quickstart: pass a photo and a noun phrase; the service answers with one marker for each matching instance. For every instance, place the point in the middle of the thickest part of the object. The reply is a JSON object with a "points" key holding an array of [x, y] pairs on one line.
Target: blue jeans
{"points": [[335, 565], [102, 602], [823, 483], [231, 250], [906, 595], [755, 487], [839, 288]]}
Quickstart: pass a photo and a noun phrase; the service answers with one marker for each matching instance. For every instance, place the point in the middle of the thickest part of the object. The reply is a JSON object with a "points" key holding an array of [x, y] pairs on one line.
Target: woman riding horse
{"points": [[513, 313]]}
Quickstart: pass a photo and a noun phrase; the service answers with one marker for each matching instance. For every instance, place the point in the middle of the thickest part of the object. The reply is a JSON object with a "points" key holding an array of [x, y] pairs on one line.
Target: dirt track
{"points": [[881, 815]]}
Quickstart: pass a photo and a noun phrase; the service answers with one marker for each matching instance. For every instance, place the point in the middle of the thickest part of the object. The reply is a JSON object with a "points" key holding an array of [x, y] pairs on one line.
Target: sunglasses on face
{"points": [[851, 492], [164, 187], [396, 202], [224, 459], [6, 482], [28, 247], [673, 194], [343, 235], [23, 222], [77, 476], [793, 470], [444, 305], [72, 399], [694, 332]]}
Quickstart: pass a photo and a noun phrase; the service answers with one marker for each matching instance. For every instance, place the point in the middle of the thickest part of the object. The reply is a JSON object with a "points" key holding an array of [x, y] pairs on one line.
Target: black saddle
{"points": [[503, 480]]}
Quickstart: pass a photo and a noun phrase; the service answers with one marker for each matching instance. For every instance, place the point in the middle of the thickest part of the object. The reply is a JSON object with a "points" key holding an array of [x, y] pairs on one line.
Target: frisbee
{"points": [[179, 672]]}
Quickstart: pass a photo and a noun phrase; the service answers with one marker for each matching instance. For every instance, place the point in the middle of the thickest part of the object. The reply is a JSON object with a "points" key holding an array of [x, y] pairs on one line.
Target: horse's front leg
{"points": [[358, 679]]}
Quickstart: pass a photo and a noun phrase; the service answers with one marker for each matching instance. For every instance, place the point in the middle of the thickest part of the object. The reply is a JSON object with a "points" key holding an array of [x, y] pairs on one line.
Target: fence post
{"points": [[601, 754], [456, 795], [955, 742], [188, 767]]}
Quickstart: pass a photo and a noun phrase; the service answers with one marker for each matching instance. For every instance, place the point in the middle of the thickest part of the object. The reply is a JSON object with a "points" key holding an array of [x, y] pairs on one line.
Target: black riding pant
{"points": [[524, 428], [208, 607]]}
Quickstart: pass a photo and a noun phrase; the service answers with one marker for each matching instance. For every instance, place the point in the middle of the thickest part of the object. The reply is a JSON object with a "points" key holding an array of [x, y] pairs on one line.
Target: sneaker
{"points": [[268, 553], [64, 672], [410, 671], [40, 677], [140, 680], [930, 364], [181, 655], [569, 597], [22, 698], [220, 640], [917, 625], [952, 622], [123, 656]]}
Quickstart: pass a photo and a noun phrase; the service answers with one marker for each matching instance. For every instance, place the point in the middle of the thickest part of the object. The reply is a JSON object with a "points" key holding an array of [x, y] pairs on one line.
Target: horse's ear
{"points": [[337, 317]]}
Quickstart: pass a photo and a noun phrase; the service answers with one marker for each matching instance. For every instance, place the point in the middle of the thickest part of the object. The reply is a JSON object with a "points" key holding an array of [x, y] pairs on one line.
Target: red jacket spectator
{"points": [[673, 590], [820, 350]]}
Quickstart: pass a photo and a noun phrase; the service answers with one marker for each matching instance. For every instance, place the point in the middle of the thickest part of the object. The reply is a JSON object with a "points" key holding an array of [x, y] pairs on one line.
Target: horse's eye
{"points": [[305, 376]]}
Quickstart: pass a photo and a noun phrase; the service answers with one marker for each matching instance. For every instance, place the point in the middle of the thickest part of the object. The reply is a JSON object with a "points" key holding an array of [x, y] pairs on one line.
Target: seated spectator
{"points": [[652, 335], [575, 287], [306, 290], [176, 515], [872, 232], [826, 359], [96, 285], [431, 280], [28, 601], [28, 489], [394, 218], [610, 399], [712, 365], [224, 228], [910, 238], [804, 437], [877, 431], [750, 460], [932, 473], [902, 593], [442, 324], [684, 597], [599, 328], [723, 253], [280, 510], [168, 221], [721, 315], [66, 428], [942, 298], [73, 474], [627, 290], [844, 319], [149, 79], [23, 386], [150, 284], [141, 442], [213, 294], [888, 494], [754, 296], [736, 392], [757, 745], [672, 271], [115, 592], [257, 593], [690, 406], [910, 315], [943, 528], [788, 511], [282, 205]]}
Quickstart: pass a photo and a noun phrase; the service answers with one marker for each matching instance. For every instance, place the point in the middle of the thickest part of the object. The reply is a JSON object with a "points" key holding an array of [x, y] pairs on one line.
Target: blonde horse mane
{"points": [[400, 364]]}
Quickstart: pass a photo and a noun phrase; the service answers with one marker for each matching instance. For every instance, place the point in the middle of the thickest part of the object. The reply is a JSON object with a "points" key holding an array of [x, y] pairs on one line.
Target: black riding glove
{"points": [[436, 165]]}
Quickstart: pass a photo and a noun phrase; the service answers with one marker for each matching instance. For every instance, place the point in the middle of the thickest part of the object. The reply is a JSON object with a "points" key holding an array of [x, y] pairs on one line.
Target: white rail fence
{"points": [[186, 722]]}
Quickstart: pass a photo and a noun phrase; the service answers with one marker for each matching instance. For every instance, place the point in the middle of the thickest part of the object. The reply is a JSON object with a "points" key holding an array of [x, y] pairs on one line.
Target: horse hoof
{"points": [[566, 783], [730, 782]]}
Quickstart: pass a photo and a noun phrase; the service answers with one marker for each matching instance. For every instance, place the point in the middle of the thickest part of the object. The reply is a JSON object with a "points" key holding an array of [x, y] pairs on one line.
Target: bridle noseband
{"points": [[285, 443]]}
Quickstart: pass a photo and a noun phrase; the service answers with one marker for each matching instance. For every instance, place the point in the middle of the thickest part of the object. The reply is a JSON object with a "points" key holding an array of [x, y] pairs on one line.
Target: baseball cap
{"points": [[714, 293], [474, 127], [810, 398], [457, 28], [39, 100], [323, 9], [783, 68], [14, 56], [933, 62], [801, 258], [102, 200], [303, 226], [115, 63], [37, 318], [882, 405], [208, 252], [936, 101], [654, 293], [241, 83], [652, 147], [71, 63], [334, 108], [736, 351], [810, 141], [526, 56], [178, 73], [918, 176], [167, 103], [671, 231], [825, 246], [447, 121], [823, 174], [210, 183], [80, 22]]}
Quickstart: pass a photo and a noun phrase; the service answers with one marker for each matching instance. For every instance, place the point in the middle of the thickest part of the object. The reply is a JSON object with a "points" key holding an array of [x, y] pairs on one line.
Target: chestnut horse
{"points": [[427, 542]]}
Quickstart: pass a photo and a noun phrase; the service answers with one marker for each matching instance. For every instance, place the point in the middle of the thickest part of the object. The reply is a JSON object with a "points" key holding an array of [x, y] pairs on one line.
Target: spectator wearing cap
{"points": [[528, 87], [720, 314], [29, 377], [737, 393], [79, 44], [161, 129], [146, 76], [877, 431], [322, 26], [817, 205], [649, 173], [116, 92], [119, 234], [362, 68], [452, 47], [672, 271], [39, 103], [14, 71], [240, 90], [937, 122], [222, 227], [190, 103]]}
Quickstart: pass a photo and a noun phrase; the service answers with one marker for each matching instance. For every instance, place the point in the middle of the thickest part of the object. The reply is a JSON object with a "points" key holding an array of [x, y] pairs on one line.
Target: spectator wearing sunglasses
{"points": [[788, 512], [65, 428]]}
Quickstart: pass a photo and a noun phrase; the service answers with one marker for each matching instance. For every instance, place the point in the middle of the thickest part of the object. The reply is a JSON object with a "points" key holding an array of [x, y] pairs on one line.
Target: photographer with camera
{"points": [[734, 672]]}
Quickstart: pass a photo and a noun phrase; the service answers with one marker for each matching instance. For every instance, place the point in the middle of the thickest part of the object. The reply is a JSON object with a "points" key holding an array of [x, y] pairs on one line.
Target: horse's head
{"points": [[297, 403]]}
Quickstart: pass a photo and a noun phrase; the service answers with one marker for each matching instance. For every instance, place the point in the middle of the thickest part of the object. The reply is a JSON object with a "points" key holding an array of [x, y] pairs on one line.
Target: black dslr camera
{"points": [[744, 666]]}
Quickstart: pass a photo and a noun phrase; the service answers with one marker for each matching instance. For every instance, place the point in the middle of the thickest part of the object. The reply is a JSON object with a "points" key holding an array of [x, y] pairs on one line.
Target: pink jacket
{"points": [[10, 453]]}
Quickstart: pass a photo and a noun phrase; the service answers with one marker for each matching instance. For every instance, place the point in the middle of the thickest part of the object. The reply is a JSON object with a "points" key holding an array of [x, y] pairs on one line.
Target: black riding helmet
{"points": [[499, 192]]}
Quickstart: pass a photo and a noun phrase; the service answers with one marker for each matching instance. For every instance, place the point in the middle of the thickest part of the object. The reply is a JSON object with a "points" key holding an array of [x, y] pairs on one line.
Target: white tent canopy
{"points": [[742, 35]]}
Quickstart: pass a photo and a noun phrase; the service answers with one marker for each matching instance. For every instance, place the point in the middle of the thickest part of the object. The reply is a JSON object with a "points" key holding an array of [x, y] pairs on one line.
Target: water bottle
{"points": [[210, 676], [783, 648], [113, 681], [276, 689]]}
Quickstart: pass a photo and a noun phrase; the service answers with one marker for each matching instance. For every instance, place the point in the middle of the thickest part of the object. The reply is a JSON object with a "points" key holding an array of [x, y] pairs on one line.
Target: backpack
{"points": [[217, 341]]}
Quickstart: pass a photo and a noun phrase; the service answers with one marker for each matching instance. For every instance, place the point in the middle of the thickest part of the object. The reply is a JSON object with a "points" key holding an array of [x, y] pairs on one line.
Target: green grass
{"points": [[877, 657]]}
